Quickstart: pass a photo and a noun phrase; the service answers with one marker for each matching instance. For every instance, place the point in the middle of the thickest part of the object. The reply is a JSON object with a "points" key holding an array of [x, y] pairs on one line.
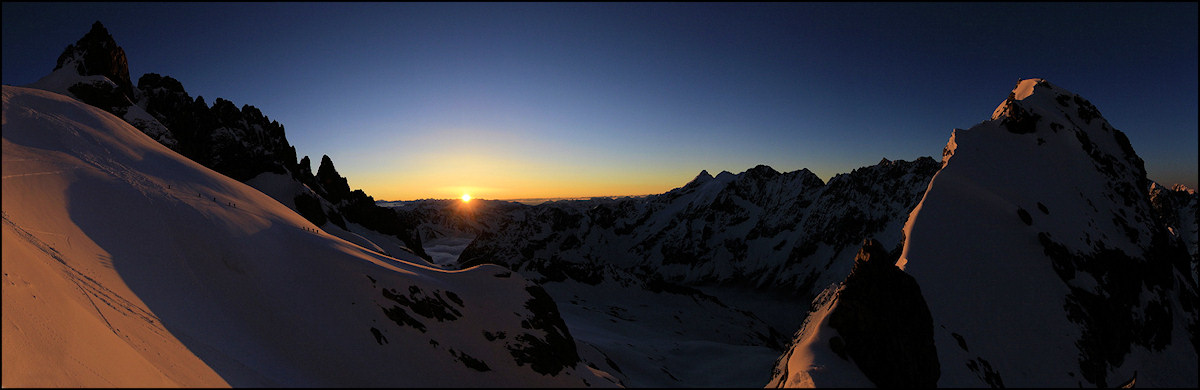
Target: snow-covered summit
{"points": [[700, 179], [1042, 259]]}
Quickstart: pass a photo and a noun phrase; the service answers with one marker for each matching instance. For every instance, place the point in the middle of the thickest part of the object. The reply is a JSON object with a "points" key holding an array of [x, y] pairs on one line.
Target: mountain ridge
{"points": [[241, 143], [215, 283], [1043, 213], [1037, 248]]}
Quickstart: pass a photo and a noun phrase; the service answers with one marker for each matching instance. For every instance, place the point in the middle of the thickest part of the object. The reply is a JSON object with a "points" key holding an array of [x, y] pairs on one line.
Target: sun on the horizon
{"points": [[466, 198]]}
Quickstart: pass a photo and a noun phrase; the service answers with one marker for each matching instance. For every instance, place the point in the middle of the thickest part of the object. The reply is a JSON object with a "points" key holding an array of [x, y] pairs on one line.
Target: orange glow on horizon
{"points": [[466, 198], [506, 180]]}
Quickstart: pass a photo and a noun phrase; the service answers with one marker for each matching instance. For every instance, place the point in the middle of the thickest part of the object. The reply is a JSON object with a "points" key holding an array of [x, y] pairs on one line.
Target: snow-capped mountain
{"points": [[127, 264], [1042, 259], [759, 228], [241, 143], [153, 239], [668, 287]]}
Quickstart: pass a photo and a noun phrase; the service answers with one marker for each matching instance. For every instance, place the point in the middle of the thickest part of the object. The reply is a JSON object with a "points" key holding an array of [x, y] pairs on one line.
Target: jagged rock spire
{"points": [[98, 54]]}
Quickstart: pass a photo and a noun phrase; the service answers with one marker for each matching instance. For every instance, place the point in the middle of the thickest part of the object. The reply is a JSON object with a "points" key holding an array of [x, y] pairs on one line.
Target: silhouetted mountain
{"points": [[97, 54]]}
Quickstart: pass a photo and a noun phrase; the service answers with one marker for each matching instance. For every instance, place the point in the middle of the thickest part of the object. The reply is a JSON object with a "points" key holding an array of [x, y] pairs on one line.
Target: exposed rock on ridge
{"points": [[240, 143], [96, 53], [884, 323]]}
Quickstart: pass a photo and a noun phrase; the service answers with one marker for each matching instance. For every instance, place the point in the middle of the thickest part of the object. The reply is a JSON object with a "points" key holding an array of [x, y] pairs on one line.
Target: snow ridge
{"points": [[1042, 258], [127, 264], [240, 143]]}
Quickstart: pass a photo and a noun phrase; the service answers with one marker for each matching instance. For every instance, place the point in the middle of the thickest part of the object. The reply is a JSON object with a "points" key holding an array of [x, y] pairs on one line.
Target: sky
{"points": [[539, 100]]}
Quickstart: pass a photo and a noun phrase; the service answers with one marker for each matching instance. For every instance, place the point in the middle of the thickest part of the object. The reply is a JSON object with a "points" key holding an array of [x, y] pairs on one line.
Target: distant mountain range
{"points": [[154, 240]]}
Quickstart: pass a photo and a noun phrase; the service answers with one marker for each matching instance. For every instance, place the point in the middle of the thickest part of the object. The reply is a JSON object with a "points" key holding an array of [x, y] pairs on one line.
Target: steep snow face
{"points": [[101, 92], [126, 264], [1037, 249], [241, 143]]}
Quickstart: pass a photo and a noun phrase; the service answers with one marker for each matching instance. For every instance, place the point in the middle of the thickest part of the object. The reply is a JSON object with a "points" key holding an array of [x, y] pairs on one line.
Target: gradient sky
{"points": [[564, 99]]}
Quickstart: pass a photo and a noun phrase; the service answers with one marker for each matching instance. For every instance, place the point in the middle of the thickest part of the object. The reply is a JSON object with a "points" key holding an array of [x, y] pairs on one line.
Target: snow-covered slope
{"points": [[240, 143], [1040, 258], [126, 264]]}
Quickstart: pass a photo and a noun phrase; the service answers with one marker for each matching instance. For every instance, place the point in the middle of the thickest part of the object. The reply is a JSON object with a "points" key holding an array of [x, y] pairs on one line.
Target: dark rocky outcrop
{"points": [[102, 95], [333, 186], [883, 323], [548, 354], [96, 53], [240, 143], [358, 207], [1178, 208], [1109, 332]]}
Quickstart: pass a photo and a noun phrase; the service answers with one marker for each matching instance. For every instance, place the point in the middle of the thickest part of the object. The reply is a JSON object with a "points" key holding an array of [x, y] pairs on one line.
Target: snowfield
{"points": [[126, 264], [1045, 257]]}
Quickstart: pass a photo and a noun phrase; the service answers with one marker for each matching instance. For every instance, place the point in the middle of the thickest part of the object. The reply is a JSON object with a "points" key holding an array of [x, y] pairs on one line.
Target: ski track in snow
{"points": [[36, 173], [92, 290]]}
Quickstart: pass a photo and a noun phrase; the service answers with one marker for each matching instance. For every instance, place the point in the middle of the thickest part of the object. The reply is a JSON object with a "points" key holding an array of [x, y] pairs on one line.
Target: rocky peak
{"points": [[97, 53], [1052, 117], [335, 186], [884, 325], [1045, 181], [700, 179], [761, 172], [805, 177], [153, 81], [1181, 187], [872, 256]]}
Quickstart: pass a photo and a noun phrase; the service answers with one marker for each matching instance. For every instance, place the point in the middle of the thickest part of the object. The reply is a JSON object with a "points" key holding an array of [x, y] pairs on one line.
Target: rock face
{"points": [[240, 143], [97, 54], [883, 323], [1178, 208]]}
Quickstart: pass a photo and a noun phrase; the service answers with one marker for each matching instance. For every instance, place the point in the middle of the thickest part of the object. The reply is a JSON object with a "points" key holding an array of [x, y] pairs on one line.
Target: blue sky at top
{"points": [[545, 99]]}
